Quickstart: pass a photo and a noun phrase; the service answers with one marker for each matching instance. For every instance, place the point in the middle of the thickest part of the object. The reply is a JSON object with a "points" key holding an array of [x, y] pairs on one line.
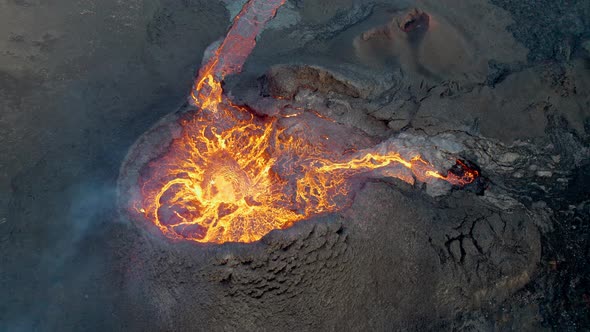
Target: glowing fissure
{"points": [[234, 177]]}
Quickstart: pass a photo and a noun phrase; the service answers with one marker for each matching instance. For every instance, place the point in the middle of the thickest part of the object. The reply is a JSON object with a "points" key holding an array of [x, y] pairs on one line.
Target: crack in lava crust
{"points": [[234, 177]]}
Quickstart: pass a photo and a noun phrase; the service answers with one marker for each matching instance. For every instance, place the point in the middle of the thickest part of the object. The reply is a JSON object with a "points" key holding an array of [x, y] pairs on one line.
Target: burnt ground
{"points": [[81, 82]]}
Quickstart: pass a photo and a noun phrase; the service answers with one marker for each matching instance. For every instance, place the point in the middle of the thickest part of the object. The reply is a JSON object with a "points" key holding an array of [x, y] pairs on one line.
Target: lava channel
{"points": [[234, 176]]}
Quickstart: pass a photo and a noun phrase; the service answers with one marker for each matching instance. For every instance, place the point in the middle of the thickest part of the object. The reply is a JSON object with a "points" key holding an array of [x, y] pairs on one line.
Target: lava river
{"points": [[234, 176]]}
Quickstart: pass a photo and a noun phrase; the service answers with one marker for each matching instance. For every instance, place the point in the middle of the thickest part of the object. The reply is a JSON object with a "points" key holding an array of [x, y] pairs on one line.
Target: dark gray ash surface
{"points": [[508, 82]]}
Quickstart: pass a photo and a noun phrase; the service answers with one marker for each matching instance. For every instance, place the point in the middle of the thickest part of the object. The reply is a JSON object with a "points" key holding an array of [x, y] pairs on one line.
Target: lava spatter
{"points": [[233, 176]]}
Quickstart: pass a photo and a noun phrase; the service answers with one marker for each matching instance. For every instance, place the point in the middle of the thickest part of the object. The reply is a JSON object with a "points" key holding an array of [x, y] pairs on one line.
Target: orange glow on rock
{"points": [[233, 176]]}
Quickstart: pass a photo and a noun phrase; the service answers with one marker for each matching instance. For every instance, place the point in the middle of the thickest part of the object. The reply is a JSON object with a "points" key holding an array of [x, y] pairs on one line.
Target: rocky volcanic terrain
{"points": [[502, 84]]}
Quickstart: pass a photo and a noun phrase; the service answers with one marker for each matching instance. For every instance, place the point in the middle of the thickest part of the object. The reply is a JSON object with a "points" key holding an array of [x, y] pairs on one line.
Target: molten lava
{"points": [[234, 176]]}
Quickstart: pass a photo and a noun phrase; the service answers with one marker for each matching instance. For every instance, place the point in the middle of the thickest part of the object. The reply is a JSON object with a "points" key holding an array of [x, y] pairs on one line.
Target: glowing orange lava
{"points": [[233, 176]]}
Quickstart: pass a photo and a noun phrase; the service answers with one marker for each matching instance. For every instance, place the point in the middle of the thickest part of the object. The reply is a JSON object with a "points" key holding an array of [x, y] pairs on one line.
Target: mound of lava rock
{"points": [[401, 256]]}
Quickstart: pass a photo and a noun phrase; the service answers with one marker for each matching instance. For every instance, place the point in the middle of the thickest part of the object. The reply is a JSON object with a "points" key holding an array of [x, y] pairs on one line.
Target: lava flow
{"points": [[233, 176]]}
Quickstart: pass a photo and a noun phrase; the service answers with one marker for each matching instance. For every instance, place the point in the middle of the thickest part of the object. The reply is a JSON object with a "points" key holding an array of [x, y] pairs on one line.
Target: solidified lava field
{"points": [[294, 165]]}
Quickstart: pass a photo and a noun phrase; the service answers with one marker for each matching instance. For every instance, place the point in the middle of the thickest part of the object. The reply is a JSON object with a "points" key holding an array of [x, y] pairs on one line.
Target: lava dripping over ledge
{"points": [[234, 176]]}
